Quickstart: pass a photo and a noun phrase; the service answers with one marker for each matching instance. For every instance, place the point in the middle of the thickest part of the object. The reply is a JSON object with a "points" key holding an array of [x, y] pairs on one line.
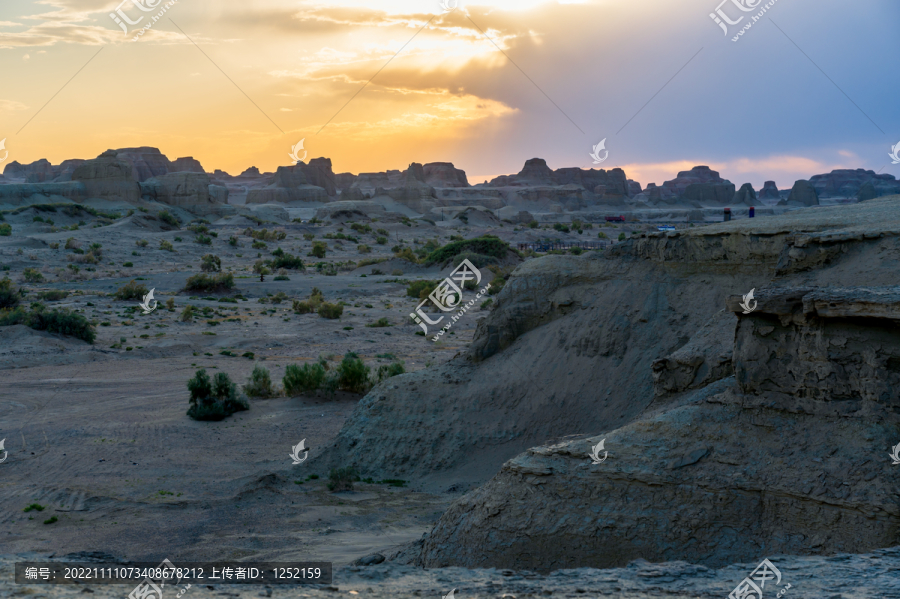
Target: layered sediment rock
{"points": [[108, 177], [291, 184], [769, 191], [745, 195], [444, 174], [846, 183], [803, 194]]}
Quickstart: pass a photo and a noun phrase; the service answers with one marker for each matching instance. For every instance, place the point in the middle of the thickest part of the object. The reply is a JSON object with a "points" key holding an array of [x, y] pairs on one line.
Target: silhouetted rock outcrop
{"points": [[444, 174], [769, 191], [108, 177], [846, 183], [803, 194], [745, 195]]}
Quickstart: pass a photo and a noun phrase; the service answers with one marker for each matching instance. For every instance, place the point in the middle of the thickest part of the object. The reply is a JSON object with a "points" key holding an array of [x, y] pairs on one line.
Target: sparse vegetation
{"points": [[260, 383], [421, 289], [63, 321], [210, 283], [486, 245], [341, 479], [5, 229], [131, 290], [303, 379], [166, 245], [187, 315], [203, 240], [318, 249], [386, 371], [622, 236], [213, 400], [141, 243], [308, 236], [32, 275], [210, 263], [330, 311], [311, 304], [381, 322], [54, 295], [168, 218], [287, 261], [9, 295], [363, 249], [265, 235]]}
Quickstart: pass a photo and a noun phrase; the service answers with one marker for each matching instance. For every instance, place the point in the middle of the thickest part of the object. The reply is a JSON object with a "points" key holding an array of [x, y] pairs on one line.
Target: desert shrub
{"points": [[408, 255], [5, 229], [533, 224], [278, 252], [233, 241], [72, 244], [168, 218], [128, 264], [60, 321], [170, 304], [370, 262], [54, 246], [260, 384], [199, 229], [416, 288], [318, 249], [622, 236], [360, 228], [258, 245], [353, 374], [602, 235], [187, 314], [265, 235], [287, 261], [9, 295], [576, 250], [210, 283], [363, 249], [279, 297], [32, 275], [381, 240], [341, 479], [386, 371], [308, 236], [203, 240], [487, 303], [303, 379], [282, 278], [330, 311], [486, 245], [561, 227], [311, 304], [54, 295], [210, 263], [213, 400], [92, 257], [142, 243], [381, 322], [131, 290], [166, 245], [479, 260]]}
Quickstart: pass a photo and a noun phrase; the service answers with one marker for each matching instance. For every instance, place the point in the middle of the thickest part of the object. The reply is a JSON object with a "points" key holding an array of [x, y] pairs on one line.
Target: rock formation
{"points": [[846, 183], [444, 174], [803, 194], [108, 177], [745, 195], [696, 176], [291, 184], [769, 191]]}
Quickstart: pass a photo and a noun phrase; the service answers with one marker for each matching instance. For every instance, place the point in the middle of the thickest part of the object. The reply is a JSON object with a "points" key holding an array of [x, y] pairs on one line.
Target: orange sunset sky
{"points": [[485, 86]]}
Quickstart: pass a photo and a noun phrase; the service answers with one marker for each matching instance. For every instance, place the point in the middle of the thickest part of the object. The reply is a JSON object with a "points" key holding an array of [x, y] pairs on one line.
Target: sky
{"points": [[809, 87]]}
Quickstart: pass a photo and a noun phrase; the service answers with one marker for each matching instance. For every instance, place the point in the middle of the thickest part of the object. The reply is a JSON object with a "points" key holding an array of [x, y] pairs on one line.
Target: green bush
{"points": [[310, 305], [341, 479], [407, 254], [318, 249], [187, 314], [60, 321], [353, 374], [622, 236], [602, 235], [381, 322], [258, 245], [361, 228], [32, 275], [213, 400], [381, 240], [479, 260], [210, 283], [210, 263], [330, 311], [486, 245], [203, 240], [487, 303], [287, 261], [308, 236], [303, 379], [561, 227], [382, 232], [5, 230], [54, 295], [386, 371], [416, 288], [363, 249], [260, 383], [9, 295], [131, 291], [533, 224], [168, 218]]}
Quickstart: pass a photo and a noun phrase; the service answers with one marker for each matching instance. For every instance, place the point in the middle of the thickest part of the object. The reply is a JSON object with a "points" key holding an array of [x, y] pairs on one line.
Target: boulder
{"points": [[444, 174], [745, 195], [107, 177], [769, 191], [803, 194]]}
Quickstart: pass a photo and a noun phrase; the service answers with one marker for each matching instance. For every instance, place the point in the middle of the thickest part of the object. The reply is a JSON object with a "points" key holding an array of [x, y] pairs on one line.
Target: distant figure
{"points": [[262, 278]]}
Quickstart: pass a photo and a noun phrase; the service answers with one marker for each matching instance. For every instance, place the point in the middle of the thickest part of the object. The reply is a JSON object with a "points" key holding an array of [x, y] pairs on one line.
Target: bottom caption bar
{"points": [[151, 577]]}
